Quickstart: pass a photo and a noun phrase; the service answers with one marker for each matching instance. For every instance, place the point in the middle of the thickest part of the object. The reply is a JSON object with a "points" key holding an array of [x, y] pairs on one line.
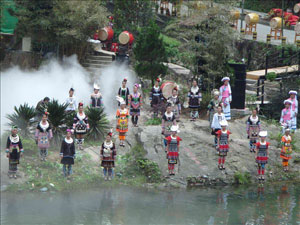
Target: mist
{"points": [[54, 79], [110, 80]]}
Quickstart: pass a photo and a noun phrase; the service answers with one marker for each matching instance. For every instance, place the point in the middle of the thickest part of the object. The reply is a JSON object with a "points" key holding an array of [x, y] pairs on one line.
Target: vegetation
{"points": [[153, 122], [267, 5], [132, 15], [242, 178], [23, 117], [98, 122], [271, 76], [150, 65], [135, 164], [60, 26]]}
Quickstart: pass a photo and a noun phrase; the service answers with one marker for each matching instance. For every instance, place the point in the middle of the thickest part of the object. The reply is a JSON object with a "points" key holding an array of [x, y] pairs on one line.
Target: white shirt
{"points": [[216, 120], [71, 102]]}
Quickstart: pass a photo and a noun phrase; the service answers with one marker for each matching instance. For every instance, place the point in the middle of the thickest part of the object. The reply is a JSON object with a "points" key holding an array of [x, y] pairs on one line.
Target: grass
{"points": [[153, 122], [242, 178], [132, 169]]}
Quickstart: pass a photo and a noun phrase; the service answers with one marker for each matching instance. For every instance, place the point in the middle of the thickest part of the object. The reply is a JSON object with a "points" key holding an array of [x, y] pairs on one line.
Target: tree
{"points": [[132, 14], [150, 52], [62, 26]]}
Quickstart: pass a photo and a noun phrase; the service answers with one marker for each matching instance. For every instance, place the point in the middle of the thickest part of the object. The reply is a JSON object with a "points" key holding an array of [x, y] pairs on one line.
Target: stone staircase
{"points": [[95, 62]]}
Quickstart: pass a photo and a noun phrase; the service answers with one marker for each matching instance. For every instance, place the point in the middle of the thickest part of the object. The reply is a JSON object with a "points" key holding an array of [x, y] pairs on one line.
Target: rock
{"points": [[182, 74], [44, 189]]}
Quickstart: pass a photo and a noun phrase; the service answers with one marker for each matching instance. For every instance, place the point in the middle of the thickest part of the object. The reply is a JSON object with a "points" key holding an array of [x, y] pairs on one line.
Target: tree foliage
{"points": [[23, 117], [66, 24], [98, 122], [132, 14], [150, 52]]}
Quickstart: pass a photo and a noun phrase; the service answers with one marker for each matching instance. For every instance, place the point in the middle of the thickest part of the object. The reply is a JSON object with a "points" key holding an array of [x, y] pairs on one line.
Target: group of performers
{"points": [[170, 108]]}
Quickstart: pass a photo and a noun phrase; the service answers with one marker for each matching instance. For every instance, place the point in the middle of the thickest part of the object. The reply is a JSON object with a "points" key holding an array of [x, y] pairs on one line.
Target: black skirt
{"points": [[67, 160], [14, 156]]}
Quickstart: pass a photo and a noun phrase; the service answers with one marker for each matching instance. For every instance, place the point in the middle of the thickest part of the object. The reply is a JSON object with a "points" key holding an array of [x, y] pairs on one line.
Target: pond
{"points": [[276, 204]]}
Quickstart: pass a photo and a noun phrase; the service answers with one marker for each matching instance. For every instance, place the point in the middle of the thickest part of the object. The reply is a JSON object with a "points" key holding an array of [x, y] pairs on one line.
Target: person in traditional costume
{"points": [[124, 91], [42, 105], [122, 120], [108, 156], [173, 149], [71, 101], [67, 153], [80, 125], [194, 99], [223, 143], [43, 135], [287, 116], [14, 151], [225, 97], [215, 125], [286, 149], [262, 154], [175, 103], [168, 120], [96, 98], [294, 107], [135, 101], [253, 128], [156, 98], [213, 106]]}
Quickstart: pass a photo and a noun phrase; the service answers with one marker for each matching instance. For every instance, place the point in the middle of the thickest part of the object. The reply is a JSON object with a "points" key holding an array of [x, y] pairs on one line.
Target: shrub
{"points": [[23, 118], [153, 121], [242, 178], [271, 76]]}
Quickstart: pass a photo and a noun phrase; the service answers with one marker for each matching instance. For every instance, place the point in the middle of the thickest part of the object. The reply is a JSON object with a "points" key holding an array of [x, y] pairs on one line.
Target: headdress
{"points": [[225, 78], [291, 92], [14, 127], [263, 133], [96, 86], [80, 104], [223, 123], [175, 128], [287, 102], [121, 100]]}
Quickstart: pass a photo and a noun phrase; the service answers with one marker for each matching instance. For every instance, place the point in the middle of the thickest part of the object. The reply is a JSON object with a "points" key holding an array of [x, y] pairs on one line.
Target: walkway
{"points": [[255, 75]]}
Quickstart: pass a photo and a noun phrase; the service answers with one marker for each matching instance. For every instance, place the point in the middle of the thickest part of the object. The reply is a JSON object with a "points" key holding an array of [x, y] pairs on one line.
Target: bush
{"points": [[271, 76], [153, 121], [23, 118], [242, 178]]}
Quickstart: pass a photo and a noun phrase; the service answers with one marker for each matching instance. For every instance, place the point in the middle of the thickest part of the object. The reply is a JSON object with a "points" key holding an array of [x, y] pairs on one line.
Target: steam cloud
{"points": [[54, 79]]}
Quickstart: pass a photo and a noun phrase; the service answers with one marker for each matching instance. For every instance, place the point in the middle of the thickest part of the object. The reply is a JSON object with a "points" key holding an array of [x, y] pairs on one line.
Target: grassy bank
{"points": [[131, 169]]}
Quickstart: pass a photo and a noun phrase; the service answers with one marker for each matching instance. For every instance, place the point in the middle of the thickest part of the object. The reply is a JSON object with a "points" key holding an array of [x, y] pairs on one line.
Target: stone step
{"points": [[98, 65], [99, 57], [91, 60]]}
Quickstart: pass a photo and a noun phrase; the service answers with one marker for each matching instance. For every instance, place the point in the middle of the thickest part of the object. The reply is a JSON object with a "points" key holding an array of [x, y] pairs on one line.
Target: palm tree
{"points": [[98, 122], [57, 118], [23, 117]]}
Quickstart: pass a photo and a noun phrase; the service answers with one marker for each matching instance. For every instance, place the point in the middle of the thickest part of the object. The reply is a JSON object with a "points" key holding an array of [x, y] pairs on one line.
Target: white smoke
{"points": [[110, 80], [53, 80]]}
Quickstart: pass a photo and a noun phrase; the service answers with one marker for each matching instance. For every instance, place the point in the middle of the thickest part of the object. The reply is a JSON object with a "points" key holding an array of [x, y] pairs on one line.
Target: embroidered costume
{"points": [[223, 143], [43, 134], [156, 98], [176, 106], [195, 98], [287, 116], [72, 104], [212, 108], [135, 100], [67, 151], [122, 122], [286, 150], [14, 148], [253, 128], [96, 100], [108, 155], [262, 156], [225, 97], [294, 108], [124, 93], [215, 125], [168, 120], [80, 126], [173, 142]]}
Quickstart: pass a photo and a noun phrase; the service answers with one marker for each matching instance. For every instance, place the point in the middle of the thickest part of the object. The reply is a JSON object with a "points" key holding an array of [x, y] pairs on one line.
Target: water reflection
{"points": [[123, 205]]}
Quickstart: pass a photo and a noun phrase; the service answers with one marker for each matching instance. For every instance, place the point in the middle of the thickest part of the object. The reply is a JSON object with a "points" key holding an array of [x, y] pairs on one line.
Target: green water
{"points": [[124, 205]]}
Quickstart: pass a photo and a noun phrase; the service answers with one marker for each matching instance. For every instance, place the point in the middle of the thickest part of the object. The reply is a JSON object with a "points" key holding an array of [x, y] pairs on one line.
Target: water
{"points": [[124, 205]]}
